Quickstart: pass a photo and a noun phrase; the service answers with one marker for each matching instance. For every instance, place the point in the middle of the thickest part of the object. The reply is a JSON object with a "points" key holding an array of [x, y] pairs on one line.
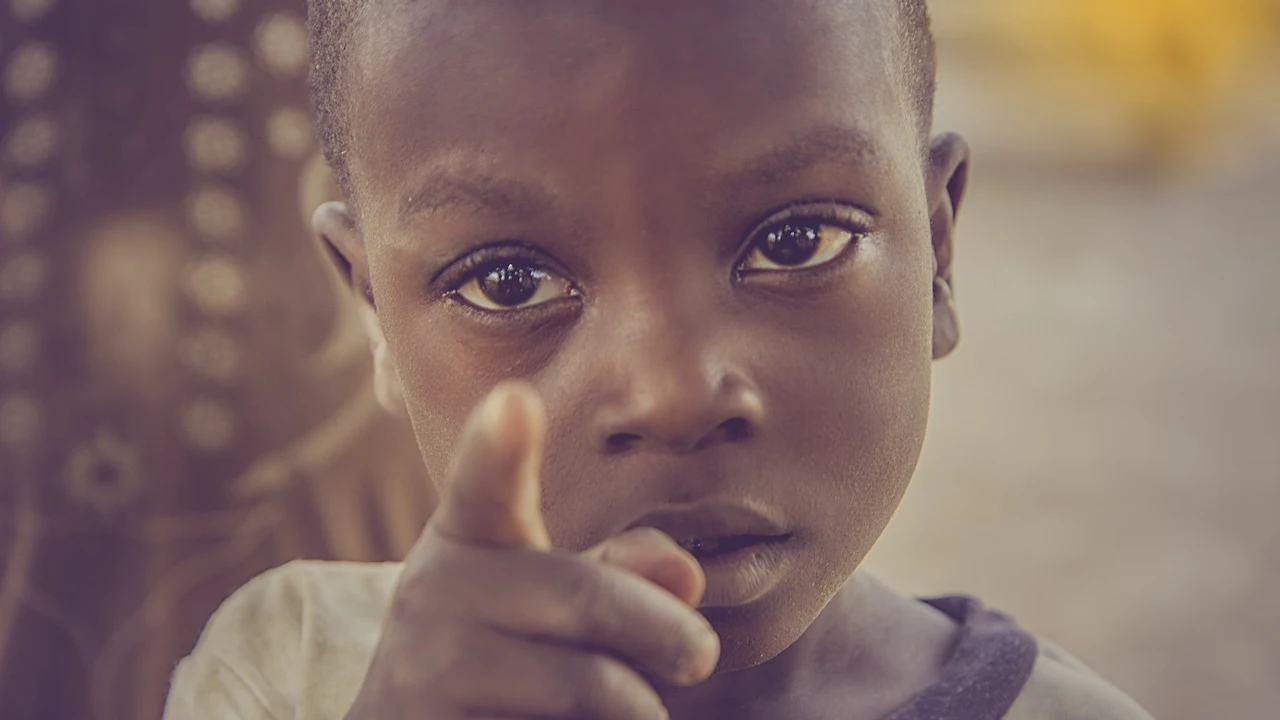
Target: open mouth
{"points": [[717, 547]]}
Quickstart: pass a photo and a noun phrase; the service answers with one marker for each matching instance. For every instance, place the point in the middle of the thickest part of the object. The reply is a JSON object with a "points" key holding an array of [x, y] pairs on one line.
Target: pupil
{"points": [[510, 284], [791, 244]]}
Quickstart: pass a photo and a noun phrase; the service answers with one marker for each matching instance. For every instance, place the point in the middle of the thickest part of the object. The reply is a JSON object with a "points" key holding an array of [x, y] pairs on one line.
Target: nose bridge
{"points": [[669, 359], [675, 386]]}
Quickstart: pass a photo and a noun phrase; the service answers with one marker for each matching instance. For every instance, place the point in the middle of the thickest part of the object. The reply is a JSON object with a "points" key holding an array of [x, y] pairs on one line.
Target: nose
{"points": [[675, 394]]}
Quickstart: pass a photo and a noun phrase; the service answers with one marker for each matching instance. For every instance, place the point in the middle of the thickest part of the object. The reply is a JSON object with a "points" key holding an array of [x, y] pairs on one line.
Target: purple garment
{"points": [[987, 670]]}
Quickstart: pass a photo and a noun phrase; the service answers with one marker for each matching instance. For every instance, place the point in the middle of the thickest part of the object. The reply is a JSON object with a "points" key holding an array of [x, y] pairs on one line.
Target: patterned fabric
{"points": [[183, 401]]}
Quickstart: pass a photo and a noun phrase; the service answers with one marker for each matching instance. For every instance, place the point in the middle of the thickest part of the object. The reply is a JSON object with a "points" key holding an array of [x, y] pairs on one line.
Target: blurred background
{"points": [[185, 401]]}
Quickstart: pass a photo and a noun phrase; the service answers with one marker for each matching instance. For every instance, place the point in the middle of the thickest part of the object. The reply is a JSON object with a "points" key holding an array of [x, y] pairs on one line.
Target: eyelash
{"points": [[453, 278], [464, 269], [827, 212], [849, 218]]}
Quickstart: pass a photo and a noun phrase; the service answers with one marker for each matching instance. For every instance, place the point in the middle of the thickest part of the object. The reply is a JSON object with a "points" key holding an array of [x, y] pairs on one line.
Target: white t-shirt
{"points": [[296, 642]]}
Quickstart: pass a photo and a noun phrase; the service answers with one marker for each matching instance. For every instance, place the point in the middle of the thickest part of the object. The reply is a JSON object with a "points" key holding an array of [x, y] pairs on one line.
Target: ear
{"points": [[343, 244], [947, 177]]}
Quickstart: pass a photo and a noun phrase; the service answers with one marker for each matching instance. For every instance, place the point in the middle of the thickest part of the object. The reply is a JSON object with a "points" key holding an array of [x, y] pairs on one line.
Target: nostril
{"points": [[621, 442], [730, 431], [736, 429]]}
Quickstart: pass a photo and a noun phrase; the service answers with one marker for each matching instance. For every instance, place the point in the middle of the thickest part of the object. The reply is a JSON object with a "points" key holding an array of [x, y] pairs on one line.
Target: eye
{"points": [[802, 238], [510, 285]]}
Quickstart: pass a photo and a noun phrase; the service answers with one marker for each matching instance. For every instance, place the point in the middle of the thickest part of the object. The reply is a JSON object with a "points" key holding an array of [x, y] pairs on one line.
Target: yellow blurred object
{"points": [[1173, 65]]}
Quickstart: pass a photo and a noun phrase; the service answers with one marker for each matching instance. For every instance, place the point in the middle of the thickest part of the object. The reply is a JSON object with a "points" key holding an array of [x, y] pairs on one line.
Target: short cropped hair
{"points": [[332, 27]]}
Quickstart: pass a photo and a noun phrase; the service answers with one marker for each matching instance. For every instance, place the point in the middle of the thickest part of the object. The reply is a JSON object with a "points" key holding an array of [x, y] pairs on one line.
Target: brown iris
{"points": [[791, 244], [510, 284]]}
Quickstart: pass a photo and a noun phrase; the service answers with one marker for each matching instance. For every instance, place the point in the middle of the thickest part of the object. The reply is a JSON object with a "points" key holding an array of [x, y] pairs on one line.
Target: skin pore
{"points": [[710, 236]]}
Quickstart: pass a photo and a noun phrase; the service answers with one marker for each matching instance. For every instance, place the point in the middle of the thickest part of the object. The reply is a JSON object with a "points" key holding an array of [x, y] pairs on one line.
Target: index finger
{"points": [[493, 493]]}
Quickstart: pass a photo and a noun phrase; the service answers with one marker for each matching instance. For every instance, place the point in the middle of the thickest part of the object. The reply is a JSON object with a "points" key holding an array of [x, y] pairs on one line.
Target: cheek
{"points": [[862, 415], [852, 416], [441, 380], [846, 379], [446, 365]]}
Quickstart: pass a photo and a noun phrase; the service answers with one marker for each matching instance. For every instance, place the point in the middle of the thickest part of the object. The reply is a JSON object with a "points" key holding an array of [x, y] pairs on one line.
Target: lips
{"points": [[711, 529], [713, 547], [742, 547]]}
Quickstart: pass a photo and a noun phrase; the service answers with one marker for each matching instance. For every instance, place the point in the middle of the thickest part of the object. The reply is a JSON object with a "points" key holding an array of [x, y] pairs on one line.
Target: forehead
{"points": [[496, 81]]}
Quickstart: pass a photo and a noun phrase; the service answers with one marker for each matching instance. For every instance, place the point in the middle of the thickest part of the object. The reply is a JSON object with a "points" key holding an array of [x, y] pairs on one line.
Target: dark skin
{"points": [[711, 245]]}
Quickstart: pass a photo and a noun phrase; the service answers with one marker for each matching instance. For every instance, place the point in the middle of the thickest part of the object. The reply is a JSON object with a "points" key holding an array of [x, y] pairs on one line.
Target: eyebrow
{"points": [[487, 194], [475, 193], [832, 143]]}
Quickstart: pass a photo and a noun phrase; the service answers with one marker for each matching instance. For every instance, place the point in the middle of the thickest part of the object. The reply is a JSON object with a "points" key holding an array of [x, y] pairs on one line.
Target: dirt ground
{"points": [[1104, 455]]}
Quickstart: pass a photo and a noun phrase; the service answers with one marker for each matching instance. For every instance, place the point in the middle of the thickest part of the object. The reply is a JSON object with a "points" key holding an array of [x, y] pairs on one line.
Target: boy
{"points": [[697, 255]]}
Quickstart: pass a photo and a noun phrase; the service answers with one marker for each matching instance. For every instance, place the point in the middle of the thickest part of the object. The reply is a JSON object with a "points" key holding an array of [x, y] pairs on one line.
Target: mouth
{"points": [[744, 548], [711, 549], [715, 529]]}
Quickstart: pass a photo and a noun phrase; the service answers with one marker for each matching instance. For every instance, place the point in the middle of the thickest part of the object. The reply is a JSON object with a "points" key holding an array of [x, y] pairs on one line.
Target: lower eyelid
{"points": [[531, 318], [804, 274], [856, 236], [566, 290]]}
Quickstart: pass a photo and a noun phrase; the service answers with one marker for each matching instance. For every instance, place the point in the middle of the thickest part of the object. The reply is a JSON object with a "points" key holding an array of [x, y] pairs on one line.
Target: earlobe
{"points": [[386, 378], [947, 180], [946, 323]]}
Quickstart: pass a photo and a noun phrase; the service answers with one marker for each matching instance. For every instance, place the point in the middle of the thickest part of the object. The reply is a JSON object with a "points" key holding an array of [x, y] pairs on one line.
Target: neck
{"points": [[867, 653], [790, 674]]}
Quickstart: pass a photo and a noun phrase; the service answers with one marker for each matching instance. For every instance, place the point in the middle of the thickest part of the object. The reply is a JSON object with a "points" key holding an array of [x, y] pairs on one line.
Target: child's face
{"points": [[583, 194]]}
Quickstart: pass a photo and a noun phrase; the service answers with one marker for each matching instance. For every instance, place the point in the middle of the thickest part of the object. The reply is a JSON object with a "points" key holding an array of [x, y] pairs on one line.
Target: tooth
{"points": [[702, 546]]}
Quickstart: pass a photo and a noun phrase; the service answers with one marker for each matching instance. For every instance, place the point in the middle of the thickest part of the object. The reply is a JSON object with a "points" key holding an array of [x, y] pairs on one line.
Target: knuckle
{"points": [[464, 672], [666, 638], [418, 596], [408, 606], [411, 671], [432, 663], [583, 608]]}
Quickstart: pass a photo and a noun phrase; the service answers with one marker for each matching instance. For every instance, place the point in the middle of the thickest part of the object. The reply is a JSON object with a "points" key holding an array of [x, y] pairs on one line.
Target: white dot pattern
{"points": [[217, 72], [104, 474], [211, 354], [215, 213], [208, 425], [30, 10], [214, 145], [216, 285], [31, 72], [289, 133], [32, 141], [281, 44], [214, 11], [24, 207]]}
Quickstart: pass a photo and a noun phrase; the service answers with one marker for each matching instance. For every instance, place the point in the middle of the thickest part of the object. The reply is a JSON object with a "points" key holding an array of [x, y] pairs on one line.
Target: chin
{"points": [[754, 634]]}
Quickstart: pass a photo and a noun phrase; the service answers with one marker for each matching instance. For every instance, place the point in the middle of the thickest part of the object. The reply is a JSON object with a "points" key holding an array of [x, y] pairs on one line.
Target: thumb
{"points": [[493, 493]]}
